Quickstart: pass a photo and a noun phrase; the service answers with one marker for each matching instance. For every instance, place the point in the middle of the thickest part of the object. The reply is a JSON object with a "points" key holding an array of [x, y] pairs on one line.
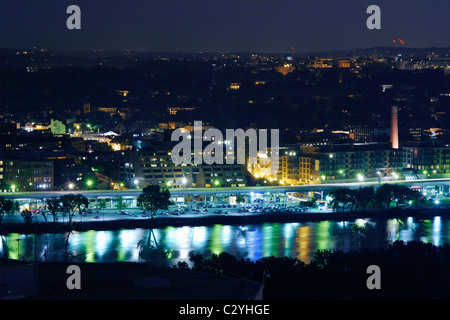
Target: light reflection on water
{"points": [[252, 241]]}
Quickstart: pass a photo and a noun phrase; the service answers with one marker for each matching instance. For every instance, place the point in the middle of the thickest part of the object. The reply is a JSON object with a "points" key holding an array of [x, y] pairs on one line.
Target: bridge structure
{"points": [[227, 195]]}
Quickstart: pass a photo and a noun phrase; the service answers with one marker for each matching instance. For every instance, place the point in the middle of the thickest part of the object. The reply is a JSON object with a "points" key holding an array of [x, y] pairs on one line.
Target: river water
{"points": [[166, 246]]}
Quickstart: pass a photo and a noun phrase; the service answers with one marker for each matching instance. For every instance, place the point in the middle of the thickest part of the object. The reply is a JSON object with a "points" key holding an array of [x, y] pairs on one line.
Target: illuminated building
{"points": [[285, 68], [289, 166], [111, 110], [437, 63], [343, 63], [322, 63], [174, 110], [57, 127], [234, 86], [261, 166], [26, 174], [426, 157], [86, 108], [348, 161], [157, 167], [124, 94], [364, 134]]}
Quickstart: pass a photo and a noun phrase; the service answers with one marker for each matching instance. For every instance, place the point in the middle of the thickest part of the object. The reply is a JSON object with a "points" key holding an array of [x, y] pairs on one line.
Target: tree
{"points": [[313, 202], [16, 206], [27, 216], [72, 202], [81, 203], [68, 205], [101, 204], [54, 206], [121, 204], [364, 196], [383, 195], [6, 207], [154, 198], [44, 214], [240, 199], [339, 197], [401, 194], [310, 203]]}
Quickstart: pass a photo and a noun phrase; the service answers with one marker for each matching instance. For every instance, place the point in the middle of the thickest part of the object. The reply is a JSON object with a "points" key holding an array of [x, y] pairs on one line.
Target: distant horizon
{"points": [[221, 26], [227, 52]]}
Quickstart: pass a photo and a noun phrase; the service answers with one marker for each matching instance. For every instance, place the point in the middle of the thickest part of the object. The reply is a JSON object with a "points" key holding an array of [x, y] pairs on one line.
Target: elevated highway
{"points": [[326, 188]]}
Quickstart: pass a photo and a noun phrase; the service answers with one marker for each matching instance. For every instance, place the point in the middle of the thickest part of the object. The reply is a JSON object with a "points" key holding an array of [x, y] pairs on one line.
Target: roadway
{"points": [[226, 191]]}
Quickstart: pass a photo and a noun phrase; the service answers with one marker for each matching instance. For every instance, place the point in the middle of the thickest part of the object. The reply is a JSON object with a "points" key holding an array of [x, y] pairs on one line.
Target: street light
{"points": [[136, 183], [360, 177], [71, 186], [266, 274]]}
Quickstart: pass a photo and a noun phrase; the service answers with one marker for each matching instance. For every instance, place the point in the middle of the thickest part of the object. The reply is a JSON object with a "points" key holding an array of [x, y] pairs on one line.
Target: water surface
{"points": [[166, 246]]}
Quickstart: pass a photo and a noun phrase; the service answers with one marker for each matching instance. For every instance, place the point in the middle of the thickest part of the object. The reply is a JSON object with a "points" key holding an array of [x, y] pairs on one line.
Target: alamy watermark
{"points": [[74, 20], [221, 150], [74, 280], [374, 281]]}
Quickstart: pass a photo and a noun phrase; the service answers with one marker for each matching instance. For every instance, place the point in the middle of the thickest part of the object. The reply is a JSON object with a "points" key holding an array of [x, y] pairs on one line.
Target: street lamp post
{"points": [[266, 274], [18, 249], [216, 183]]}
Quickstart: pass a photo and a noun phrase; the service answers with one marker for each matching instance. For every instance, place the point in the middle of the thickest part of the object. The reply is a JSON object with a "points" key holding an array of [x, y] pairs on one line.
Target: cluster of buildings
{"points": [[64, 153], [60, 162], [356, 162], [323, 162], [42, 162]]}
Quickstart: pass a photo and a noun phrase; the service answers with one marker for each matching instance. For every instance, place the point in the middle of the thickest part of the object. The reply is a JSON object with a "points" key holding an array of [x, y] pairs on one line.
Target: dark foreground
{"points": [[414, 270], [407, 271], [125, 281]]}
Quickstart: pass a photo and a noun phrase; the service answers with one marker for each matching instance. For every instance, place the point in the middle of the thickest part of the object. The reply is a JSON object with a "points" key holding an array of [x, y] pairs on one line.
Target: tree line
{"points": [[412, 270], [66, 205], [381, 197], [152, 199]]}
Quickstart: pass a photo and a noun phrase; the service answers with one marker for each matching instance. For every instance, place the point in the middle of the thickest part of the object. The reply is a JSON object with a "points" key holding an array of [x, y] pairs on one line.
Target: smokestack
{"points": [[394, 127]]}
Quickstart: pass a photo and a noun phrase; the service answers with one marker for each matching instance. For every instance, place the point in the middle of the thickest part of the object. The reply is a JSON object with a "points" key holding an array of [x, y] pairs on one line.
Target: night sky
{"points": [[222, 25]]}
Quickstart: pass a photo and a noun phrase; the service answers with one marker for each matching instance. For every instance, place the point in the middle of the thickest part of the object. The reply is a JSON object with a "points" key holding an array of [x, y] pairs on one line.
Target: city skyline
{"points": [[224, 150]]}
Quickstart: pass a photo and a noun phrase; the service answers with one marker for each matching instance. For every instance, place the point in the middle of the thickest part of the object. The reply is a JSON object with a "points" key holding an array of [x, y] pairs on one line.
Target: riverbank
{"points": [[211, 219], [123, 281]]}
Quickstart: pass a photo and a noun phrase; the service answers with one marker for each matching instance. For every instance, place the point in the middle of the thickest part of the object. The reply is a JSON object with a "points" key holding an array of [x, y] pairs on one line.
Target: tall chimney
{"points": [[394, 127]]}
